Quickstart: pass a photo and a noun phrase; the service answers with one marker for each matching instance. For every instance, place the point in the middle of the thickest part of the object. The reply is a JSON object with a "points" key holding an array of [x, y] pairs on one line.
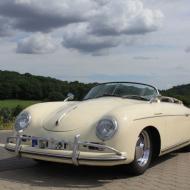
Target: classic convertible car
{"points": [[116, 123]]}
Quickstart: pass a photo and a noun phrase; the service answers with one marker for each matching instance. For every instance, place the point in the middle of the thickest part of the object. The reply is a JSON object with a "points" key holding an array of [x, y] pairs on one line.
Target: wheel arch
{"points": [[156, 140]]}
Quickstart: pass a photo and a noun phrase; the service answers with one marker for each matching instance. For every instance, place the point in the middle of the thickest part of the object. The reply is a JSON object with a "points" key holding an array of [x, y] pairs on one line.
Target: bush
{"points": [[15, 111], [1, 121], [6, 115]]}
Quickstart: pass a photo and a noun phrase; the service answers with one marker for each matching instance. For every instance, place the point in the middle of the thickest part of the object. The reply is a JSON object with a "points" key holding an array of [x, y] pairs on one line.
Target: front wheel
{"points": [[143, 153]]}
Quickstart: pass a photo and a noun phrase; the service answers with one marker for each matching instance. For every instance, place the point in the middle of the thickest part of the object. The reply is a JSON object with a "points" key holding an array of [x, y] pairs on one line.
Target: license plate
{"points": [[34, 142], [43, 144]]}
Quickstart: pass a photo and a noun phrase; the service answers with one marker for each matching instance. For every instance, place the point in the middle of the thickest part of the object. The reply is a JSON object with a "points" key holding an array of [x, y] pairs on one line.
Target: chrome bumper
{"points": [[18, 148]]}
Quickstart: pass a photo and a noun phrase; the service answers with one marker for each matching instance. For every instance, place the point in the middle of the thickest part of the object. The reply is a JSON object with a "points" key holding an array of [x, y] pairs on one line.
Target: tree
{"points": [[55, 96]]}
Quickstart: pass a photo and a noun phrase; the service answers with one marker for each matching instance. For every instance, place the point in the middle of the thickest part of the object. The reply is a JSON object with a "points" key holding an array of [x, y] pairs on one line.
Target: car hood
{"points": [[82, 114]]}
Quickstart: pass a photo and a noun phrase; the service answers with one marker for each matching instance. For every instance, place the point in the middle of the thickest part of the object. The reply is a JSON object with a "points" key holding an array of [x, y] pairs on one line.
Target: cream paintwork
{"points": [[171, 120]]}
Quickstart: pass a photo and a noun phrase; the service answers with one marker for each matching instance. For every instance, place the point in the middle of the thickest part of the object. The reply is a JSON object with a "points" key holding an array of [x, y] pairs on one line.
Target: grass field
{"points": [[14, 103]]}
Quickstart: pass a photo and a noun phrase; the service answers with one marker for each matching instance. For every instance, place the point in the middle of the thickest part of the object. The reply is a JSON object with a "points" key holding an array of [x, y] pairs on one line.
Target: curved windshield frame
{"points": [[129, 90]]}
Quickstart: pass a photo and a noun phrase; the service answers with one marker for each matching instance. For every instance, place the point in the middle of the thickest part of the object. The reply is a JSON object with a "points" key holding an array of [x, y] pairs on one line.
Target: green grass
{"points": [[14, 103], [6, 126]]}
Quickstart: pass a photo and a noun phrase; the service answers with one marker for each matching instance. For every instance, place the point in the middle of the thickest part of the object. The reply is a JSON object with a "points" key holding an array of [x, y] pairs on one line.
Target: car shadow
{"points": [[27, 171], [168, 157], [162, 159]]}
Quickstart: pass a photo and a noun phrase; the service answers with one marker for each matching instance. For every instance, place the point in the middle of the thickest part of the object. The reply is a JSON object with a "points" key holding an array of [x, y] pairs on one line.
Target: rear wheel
{"points": [[143, 153]]}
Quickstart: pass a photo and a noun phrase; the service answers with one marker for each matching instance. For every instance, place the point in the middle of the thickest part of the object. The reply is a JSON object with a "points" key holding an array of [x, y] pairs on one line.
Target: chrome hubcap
{"points": [[143, 149]]}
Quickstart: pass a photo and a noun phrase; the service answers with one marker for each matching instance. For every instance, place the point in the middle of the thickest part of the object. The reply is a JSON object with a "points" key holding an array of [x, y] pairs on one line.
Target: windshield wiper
{"points": [[135, 97], [104, 95], [126, 96]]}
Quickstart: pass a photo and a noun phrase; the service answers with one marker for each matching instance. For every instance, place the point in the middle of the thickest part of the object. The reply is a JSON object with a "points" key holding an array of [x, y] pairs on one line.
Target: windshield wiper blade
{"points": [[104, 95], [135, 97]]}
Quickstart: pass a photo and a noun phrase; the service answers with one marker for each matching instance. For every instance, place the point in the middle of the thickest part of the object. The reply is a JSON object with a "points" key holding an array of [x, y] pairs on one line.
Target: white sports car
{"points": [[116, 123]]}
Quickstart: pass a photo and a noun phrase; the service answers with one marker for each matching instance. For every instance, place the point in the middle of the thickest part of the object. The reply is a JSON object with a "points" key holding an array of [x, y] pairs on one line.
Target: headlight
{"points": [[106, 129], [22, 121]]}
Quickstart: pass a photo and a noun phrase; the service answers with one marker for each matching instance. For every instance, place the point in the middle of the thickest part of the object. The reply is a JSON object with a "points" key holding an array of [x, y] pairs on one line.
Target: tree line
{"points": [[181, 92], [29, 87]]}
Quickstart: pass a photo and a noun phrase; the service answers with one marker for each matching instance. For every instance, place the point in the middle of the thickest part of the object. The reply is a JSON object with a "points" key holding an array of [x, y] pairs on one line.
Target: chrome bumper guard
{"points": [[75, 149]]}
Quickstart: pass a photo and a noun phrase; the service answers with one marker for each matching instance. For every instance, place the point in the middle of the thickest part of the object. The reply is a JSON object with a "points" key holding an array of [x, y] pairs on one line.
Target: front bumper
{"points": [[74, 156]]}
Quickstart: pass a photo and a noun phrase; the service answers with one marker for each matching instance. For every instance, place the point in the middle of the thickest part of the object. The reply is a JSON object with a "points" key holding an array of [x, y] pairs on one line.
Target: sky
{"points": [[98, 40]]}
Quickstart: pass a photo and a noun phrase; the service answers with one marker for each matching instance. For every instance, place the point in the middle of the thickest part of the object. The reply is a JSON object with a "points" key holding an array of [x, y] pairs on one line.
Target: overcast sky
{"points": [[98, 40]]}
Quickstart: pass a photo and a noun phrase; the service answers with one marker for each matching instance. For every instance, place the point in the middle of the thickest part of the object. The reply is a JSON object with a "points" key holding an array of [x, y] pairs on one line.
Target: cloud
{"points": [[77, 37], [108, 23], [42, 15], [5, 27], [111, 24], [145, 58], [37, 44], [124, 17], [187, 50]]}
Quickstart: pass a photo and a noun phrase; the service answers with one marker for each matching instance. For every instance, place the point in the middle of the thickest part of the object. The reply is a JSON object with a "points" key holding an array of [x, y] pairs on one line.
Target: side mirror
{"points": [[70, 96]]}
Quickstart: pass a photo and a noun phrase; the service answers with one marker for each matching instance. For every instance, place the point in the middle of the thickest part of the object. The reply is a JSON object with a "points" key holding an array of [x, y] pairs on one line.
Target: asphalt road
{"points": [[169, 172]]}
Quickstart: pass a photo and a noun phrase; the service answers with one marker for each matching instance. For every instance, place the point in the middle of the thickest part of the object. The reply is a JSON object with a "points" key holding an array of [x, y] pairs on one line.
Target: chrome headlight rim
{"points": [[114, 131], [22, 117]]}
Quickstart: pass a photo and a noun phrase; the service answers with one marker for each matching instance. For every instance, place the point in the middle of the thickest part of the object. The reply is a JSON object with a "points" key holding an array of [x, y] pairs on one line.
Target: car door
{"points": [[177, 129]]}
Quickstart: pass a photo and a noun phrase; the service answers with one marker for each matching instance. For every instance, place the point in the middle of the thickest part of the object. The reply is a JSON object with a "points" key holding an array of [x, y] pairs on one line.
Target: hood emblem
{"points": [[63, 115]]}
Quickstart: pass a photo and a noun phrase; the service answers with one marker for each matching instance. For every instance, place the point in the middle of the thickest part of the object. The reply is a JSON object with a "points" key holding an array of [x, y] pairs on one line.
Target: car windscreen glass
{"points": [[124, 90]]}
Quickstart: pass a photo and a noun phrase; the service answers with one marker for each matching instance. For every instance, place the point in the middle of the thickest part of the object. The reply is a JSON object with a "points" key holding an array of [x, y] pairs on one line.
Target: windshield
{"points": [[124, 90]]}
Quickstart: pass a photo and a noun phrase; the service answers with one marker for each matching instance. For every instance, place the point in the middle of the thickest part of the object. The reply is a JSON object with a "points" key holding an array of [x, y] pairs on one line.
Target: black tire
{"points": [[137, 167]]}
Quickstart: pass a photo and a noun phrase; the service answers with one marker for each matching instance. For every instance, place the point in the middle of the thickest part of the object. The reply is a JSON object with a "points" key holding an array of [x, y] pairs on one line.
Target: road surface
{"points": [[171, 172]]}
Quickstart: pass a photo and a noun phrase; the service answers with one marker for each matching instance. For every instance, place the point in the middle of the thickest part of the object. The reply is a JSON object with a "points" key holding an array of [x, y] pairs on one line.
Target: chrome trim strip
{"points": [[2, 145], [39, 153], [104, 159], [18, 144], [101, 146], [154, 116], [75, 151], [118, 158]]}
